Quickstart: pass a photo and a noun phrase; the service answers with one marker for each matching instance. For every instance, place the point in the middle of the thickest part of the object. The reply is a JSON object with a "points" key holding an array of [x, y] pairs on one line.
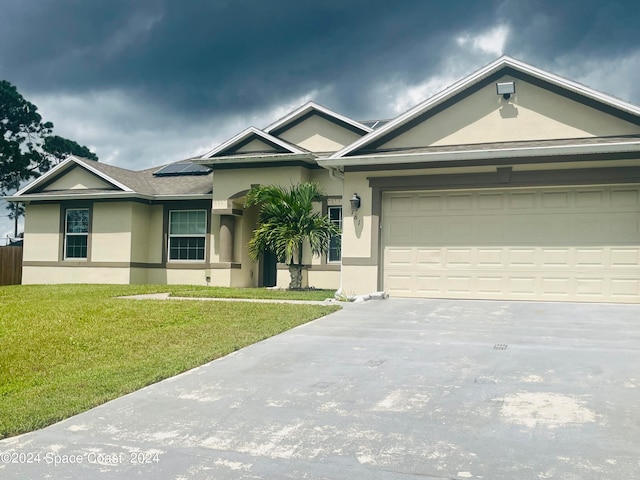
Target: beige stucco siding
{"points": [[532, 113], [77, 179], [359, 279], [319, 135], [42, 235], [256, 146], [75, 274], [186, 277], [111, 233], [147, 241], [324, 279], [356, 228], [331, 186], [228, 183]]}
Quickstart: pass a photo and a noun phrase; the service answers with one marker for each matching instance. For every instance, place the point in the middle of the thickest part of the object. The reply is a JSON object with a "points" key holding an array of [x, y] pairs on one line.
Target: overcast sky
{"points": [[148, 82]]}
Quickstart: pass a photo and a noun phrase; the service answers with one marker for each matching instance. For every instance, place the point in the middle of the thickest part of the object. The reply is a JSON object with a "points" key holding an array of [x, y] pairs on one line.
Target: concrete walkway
{"points": [[168, 296], [400, 389]]}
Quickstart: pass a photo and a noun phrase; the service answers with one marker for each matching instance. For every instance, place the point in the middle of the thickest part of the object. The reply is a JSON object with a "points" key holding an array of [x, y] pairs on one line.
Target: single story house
{"points": [[512, 183]]}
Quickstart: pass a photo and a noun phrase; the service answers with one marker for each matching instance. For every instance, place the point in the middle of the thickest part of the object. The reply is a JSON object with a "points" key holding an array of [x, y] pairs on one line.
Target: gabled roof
{"points": [[126, 184], [310, 108], [71, 161], [502, 66], [251, 133]]}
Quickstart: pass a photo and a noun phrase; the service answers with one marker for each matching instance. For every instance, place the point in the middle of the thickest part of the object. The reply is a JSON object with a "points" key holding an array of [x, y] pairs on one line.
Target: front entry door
{"points": [[269, 269]]}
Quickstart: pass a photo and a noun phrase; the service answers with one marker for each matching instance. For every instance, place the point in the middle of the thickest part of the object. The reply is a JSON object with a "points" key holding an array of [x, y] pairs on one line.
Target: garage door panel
{"points": [[625, 197], [428, 285], [491, 201], [400, 257], [490, 257], [625, 287], [590, 257], [590, 287], [561, 244], [490, 285], [522, 201], [429, 203], [426, 257], [556, 257], [625, 257]]}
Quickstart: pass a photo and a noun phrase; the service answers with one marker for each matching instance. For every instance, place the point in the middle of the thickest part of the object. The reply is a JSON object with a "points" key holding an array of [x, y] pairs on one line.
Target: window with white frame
{"points": [[335, 244], [187, 234], [76, 233]]}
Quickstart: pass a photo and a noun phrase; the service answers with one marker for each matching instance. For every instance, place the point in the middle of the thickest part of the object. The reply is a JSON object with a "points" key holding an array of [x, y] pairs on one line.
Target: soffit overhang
{"points": [[488, 154]]}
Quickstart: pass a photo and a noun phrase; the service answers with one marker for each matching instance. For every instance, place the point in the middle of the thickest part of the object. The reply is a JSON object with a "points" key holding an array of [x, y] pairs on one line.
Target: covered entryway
{"points": [[571, 244]]}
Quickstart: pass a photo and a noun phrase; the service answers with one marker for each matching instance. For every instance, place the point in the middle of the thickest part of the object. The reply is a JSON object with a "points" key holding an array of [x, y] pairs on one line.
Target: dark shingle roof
{"points": [[143, 181]]}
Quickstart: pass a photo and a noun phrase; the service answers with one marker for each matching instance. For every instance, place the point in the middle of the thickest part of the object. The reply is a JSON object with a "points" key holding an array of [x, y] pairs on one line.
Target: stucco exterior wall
{"points": [[111, 233], [356, 228], [75, 274], [255, 146], [331, 186], [42, 234], [186, 277], [532, 113], [324, 279], [146, 233], [360, 279], [227, 183], [77, 178], [317, 134], [138, 276]]}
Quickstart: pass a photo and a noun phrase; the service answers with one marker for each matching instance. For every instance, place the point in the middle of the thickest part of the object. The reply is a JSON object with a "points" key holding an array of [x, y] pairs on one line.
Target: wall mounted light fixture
{"points": [[506, 89], [355, 202]]}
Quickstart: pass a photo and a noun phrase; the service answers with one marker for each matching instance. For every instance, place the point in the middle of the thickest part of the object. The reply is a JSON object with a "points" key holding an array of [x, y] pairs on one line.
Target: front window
{"points": [[187, 233], [335, 244], [76, 233]]}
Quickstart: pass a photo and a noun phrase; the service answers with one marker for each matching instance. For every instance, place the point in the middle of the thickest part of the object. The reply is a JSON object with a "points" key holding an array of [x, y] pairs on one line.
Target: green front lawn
{"points": [[67, 348], [222, 292]]}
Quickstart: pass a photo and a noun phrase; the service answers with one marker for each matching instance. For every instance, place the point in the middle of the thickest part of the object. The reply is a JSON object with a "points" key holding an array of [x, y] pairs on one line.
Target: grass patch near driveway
{"points": [[223, 292], [67, 348]]}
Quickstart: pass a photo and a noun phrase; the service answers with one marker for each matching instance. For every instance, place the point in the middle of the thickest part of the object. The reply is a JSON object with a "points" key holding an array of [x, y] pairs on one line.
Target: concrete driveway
{"points": [[395, 389]]}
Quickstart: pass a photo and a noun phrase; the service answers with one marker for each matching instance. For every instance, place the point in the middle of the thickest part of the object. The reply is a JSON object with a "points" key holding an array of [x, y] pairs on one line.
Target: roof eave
{"points": [[479, 154], [266, 158], [79, 196], [101, 196]]}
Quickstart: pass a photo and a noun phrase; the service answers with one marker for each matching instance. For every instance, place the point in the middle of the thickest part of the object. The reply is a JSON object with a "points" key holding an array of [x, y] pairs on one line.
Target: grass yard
{"points": [[67, 348], [222, 292]]}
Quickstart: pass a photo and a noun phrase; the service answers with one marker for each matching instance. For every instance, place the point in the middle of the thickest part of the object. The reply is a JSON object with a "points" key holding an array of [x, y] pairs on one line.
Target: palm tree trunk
{"points": [[296, 277]]}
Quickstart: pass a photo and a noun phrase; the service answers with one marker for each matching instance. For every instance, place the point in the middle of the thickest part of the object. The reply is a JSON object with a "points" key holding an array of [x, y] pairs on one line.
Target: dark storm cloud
{"points": [[223, 56]]}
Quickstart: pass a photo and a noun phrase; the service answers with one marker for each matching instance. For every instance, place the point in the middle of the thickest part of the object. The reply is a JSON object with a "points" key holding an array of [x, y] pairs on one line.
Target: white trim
{"points": [[309, 106], [474, 78], [187, 235], [82, 234], [480, 154], [262, 158], [66, 164], [103, 175], [119, 195], [246, 133]]}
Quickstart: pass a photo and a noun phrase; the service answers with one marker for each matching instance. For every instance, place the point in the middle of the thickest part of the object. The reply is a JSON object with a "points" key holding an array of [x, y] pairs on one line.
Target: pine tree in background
{"points": [[28, 147]]}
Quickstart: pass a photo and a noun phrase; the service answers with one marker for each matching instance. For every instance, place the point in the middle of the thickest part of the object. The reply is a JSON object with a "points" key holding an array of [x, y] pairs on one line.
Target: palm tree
{"points": [[286, 222]]}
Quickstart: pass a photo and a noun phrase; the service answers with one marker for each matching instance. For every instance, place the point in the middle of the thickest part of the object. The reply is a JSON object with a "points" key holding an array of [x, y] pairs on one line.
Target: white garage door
{"points": [[573, 244]]}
